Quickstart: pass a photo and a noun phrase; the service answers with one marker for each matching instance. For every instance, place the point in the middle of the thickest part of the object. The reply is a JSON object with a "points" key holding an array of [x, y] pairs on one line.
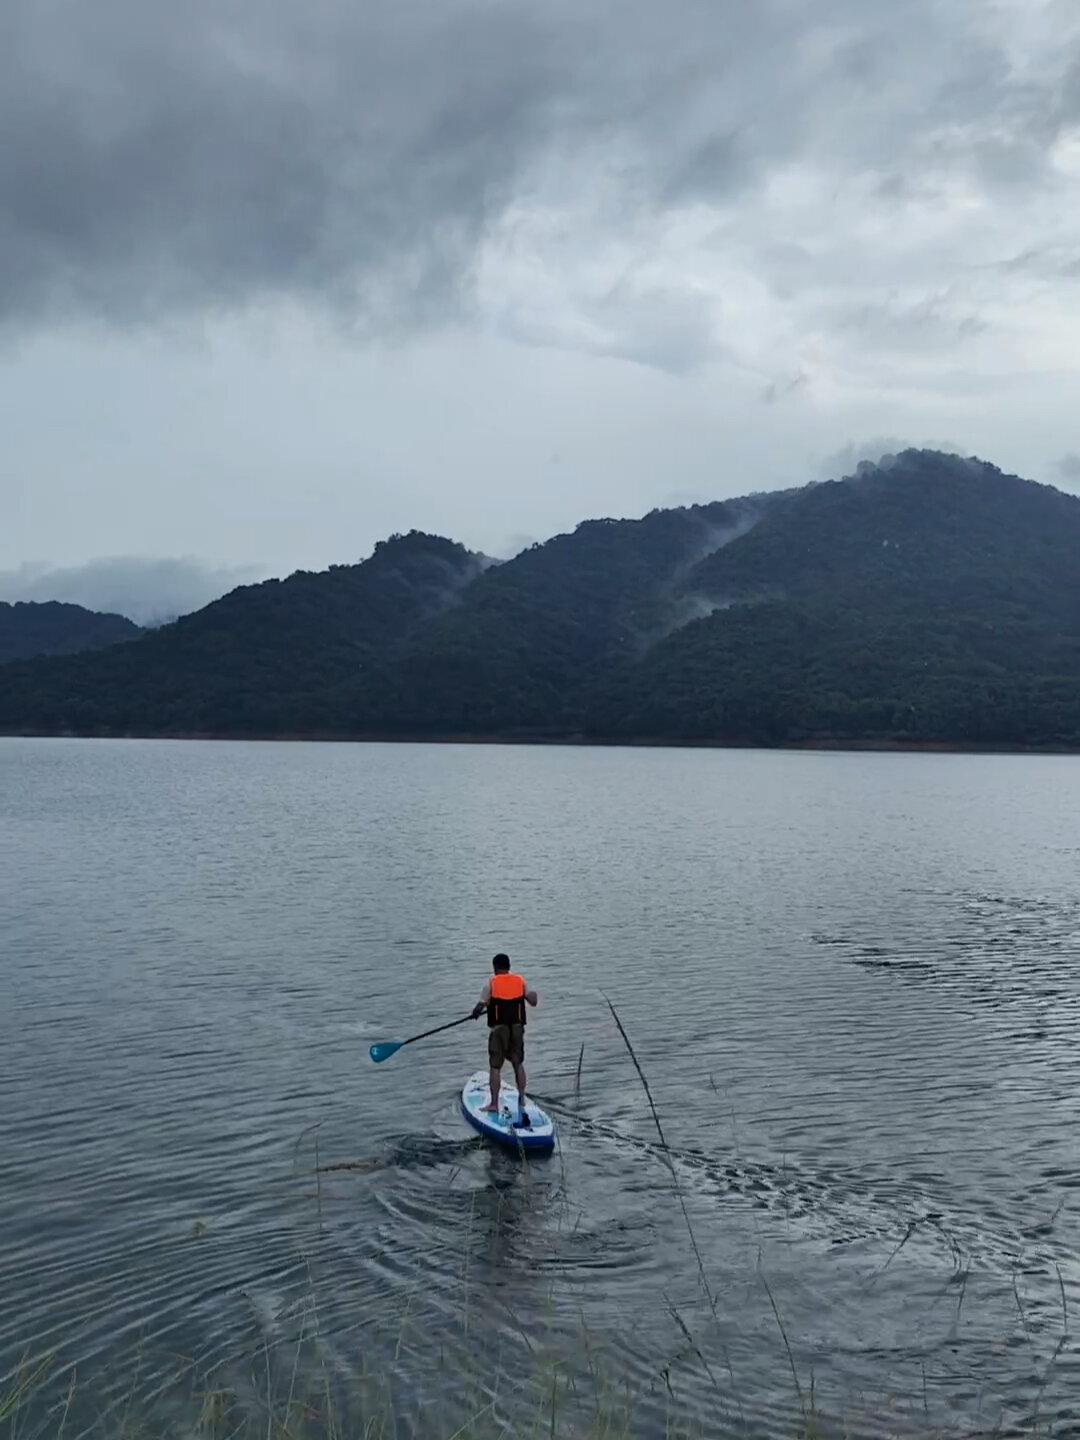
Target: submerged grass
{"points": [[552, 1404], [290, 1389]]}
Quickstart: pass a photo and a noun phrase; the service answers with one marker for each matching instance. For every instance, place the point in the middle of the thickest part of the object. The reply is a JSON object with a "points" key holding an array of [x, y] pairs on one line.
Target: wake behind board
{"points": [[539, 1135]]}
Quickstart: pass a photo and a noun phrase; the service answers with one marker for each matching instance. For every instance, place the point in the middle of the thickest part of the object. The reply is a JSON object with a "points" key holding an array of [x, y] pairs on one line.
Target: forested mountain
{"points": [[925, 599], [515, 653], [261, 660], [934, 598], [28, 628]]}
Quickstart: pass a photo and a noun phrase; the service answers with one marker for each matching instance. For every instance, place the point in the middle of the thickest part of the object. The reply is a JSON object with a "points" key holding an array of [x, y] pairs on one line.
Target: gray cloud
{"points": [[1069, 466], [777, 390], [909, 326], [876, 450], [369, 159], [146, 591], [846, 460], [1045, 261]]}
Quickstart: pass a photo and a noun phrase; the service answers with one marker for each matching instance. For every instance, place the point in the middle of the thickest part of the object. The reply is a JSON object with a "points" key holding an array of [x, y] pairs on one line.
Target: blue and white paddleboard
{"points": [[538, 1135]]}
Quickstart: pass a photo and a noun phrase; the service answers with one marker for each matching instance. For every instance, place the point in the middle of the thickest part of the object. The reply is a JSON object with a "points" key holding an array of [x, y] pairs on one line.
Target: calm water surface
{"points": [[853, 982]]}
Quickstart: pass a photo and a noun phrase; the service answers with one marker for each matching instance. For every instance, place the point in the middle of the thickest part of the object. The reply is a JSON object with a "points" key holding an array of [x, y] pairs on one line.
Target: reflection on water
{"points": [[853, 982]]}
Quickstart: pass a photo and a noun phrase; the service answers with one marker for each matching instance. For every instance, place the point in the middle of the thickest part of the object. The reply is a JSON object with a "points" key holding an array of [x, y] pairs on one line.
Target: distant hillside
{"points": [[932, 599], [929, 599], [28, 628], [261, 660], [528, 633]]}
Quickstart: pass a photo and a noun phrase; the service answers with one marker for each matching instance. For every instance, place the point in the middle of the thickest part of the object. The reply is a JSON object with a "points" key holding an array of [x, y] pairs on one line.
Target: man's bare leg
{"points": [[494, 1081], [519, 1077]]}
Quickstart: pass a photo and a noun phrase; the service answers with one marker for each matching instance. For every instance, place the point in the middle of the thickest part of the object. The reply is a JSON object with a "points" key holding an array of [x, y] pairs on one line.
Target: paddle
{"points": [[385, 1048]]}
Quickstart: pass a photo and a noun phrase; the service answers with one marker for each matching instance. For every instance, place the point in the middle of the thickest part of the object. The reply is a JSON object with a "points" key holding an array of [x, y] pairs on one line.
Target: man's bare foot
{"points": [[491, 1109]]}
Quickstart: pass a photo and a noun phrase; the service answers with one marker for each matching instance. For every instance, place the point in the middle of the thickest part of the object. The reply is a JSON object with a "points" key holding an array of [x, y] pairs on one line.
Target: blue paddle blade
{"points": [[383, 1050]]}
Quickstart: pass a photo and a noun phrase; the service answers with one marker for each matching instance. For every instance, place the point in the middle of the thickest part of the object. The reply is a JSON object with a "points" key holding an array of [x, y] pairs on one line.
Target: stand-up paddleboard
{"points": [[538, 1135]]}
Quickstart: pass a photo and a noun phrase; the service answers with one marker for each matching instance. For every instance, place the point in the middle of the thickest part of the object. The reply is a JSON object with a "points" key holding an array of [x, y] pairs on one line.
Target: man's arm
{"points": [[484, 1001], [532, 997]]}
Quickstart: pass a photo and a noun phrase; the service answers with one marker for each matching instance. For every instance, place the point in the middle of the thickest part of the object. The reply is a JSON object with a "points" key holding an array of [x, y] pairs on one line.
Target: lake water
{"points": [[852, 982]]}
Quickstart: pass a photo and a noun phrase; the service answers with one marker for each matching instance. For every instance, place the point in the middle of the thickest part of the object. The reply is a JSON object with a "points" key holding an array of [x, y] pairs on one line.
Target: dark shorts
{"points": [[506, 1042]]}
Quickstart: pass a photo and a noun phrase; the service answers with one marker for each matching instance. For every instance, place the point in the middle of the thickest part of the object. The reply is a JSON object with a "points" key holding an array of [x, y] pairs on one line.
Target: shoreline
{"points": [[823, 745]]}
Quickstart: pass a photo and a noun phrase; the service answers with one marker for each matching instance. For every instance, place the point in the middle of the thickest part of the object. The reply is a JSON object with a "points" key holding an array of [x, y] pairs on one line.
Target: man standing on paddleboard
{"points": [[504, 998]]}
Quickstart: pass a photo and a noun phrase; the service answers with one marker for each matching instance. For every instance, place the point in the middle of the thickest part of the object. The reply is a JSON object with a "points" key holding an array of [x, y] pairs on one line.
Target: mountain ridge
{"points": [[926, 600], [29, 628]]}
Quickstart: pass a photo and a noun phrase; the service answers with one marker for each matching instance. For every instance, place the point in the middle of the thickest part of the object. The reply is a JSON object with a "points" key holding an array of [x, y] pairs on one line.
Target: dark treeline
{"points": [[927, 599], [28, 628]]}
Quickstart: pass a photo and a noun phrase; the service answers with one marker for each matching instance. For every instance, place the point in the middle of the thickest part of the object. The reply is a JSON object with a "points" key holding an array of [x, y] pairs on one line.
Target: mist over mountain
{"points": [[146, 590], [926, 598]]}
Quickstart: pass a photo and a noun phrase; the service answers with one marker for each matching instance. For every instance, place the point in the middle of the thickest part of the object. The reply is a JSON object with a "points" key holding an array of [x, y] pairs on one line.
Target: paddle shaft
{"points": [[437, 1031]]}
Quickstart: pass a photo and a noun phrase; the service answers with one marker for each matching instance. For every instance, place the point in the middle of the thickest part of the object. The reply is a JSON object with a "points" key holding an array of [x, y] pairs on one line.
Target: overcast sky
{"points": [[278, 279]]}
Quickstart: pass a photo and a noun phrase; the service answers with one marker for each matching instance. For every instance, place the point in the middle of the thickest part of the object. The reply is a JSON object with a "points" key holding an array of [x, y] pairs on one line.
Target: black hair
{"points": [[501, 963]]}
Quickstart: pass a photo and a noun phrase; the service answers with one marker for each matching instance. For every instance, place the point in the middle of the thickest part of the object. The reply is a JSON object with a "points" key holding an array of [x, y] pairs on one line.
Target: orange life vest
{"points": [[507, 1005]]}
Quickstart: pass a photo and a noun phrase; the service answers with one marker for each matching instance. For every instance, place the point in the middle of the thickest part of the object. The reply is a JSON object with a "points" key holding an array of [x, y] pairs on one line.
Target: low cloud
{"points": [[381, 163], [150, 592], [515, 544], [846, 461]]}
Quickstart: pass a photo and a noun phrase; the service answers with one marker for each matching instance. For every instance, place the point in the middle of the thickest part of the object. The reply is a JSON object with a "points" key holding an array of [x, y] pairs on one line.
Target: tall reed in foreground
{"points": [[547, 1390]]}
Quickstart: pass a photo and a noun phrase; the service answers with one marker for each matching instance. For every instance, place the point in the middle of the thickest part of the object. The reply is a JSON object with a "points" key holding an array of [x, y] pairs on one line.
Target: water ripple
{"points": [[854, 990]]}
